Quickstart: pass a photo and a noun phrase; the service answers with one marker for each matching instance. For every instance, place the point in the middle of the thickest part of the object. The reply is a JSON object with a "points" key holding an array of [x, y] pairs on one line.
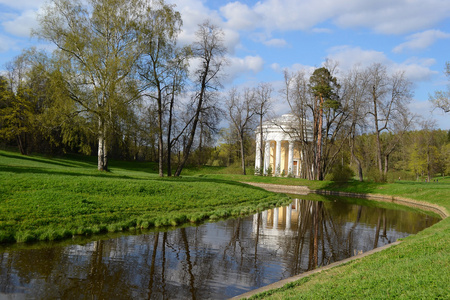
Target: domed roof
{"points": [[285, 127]]}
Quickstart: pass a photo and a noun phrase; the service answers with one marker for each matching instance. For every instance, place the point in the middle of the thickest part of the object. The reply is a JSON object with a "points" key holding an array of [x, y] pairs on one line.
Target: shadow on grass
{"points": [[208, 180], [52, 161], [37, 170], [97, 174]]}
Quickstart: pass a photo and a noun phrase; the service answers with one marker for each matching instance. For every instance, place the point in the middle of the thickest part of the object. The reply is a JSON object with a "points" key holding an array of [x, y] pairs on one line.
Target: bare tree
{"points": [[441, 99], [354, 89], [389, 96], [209, 50], [300, 100], [262, 105], [240, 111]]}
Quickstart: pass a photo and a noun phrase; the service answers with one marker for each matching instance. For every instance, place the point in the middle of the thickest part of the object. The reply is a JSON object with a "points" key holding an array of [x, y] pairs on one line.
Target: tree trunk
{"points": [[160, 136], [187, 149], [261, 141], [319, 141], [241, 141], [20, 145], [102, 153], [169, 142], [377, 131], [386, 165]]}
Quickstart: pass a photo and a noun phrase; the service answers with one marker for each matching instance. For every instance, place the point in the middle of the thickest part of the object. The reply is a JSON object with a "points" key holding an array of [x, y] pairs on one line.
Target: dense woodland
{"points": [[119, 86]]}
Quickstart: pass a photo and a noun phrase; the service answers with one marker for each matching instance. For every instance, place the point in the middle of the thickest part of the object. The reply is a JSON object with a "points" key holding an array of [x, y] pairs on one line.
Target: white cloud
{"points": [[279, 43], [276, 67], [349, 56], [239, 66], [425, 110], [239, 16], [421, 40], [6, 43], [382, 16], [22, 24], [415, 69], [22, 4]]}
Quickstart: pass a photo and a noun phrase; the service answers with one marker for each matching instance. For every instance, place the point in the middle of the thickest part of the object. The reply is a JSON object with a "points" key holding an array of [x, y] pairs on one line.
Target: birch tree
{"points": [[98, 46]]}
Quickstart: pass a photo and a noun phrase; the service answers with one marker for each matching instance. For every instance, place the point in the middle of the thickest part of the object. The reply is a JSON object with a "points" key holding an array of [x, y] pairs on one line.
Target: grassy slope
{"points": [[49, 199]]}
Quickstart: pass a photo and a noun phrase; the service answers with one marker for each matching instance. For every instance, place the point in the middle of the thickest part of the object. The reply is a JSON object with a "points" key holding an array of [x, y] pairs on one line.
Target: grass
{"points": [[55, 198], [44, 199], [418, 268]]}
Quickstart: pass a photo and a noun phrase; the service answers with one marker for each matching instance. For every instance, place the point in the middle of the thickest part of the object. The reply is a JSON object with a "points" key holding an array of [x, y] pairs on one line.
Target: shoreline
{"points": [[303, 190]]}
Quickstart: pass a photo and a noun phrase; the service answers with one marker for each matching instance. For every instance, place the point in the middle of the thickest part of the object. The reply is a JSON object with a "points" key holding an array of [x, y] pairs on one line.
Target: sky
{"points": [[265, 37]]}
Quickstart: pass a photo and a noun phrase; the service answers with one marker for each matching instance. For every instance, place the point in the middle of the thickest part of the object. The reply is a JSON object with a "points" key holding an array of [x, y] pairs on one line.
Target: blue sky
{"points": [[264, 37]]}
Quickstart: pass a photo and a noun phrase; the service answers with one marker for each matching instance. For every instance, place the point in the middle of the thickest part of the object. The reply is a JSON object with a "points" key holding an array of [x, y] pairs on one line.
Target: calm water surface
{"points": [[212, 261]]}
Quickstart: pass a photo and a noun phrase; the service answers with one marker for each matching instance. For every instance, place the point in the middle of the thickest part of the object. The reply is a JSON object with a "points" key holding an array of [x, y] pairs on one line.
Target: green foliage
{"points": [[373, 175], [340, 173]]}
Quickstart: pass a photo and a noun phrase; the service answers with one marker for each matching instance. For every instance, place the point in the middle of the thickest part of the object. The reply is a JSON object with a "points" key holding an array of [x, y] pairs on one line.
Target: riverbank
{"points": [[47, 199], [416, 268], [56, 198]]}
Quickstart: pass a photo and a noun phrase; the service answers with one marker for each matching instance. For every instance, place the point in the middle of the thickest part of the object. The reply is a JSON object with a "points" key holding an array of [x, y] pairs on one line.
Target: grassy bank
{"points": [[48, 199], [418, 268], [52, 199]]}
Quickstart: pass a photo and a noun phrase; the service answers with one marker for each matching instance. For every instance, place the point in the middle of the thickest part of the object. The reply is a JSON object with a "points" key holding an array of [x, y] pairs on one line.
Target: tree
{"points": [[240, 110], [324, 88], [355, 87], [441, 99], [262, 105], [15, 116], [300, 100], [97, 46], [389, 96], [209, 51], [160, 57]]}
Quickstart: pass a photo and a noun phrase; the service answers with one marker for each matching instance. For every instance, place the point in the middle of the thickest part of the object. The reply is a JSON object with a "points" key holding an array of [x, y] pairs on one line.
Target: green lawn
{"points": [[55, 198], [50, 199]]}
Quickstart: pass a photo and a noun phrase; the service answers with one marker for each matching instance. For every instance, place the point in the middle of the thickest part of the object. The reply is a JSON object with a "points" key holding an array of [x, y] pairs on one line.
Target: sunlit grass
{"points": [[51, 199]]}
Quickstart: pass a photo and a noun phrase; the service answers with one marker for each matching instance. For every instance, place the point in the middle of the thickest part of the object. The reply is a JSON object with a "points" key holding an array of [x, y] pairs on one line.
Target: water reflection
{"points": [[214, 260]]}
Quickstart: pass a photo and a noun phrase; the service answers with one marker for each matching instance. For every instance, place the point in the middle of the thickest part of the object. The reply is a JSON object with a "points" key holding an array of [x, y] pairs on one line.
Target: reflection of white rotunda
{"points": [[281, 146]]}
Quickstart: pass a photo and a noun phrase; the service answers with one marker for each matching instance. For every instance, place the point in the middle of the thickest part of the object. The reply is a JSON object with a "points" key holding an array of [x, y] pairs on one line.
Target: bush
{"points": [[340, 173], [374, 175]]}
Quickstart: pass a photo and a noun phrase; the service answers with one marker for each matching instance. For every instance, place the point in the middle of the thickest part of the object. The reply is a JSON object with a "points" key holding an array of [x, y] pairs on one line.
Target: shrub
{"points": [[374, 175], [340, 173]]}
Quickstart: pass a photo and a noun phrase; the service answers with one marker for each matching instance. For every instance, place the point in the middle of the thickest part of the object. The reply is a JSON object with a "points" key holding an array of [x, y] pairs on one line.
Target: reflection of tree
{"points": [[205, 261], [189, 263], [152, 265]]}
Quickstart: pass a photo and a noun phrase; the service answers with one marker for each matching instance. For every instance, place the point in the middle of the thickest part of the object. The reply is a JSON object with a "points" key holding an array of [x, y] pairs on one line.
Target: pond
{"points": [[212, 261]]}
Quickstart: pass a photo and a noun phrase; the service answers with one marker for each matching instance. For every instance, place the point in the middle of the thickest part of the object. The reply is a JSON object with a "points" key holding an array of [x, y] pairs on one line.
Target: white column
{"points": [[267, 157], [278, 160], [264, 219], [291, 158], [288, 216], [275, 218], [258, 154]]}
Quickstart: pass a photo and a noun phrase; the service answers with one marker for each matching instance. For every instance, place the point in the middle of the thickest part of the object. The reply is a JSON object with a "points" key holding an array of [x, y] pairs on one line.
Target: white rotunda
{"points": [[281, 149]]}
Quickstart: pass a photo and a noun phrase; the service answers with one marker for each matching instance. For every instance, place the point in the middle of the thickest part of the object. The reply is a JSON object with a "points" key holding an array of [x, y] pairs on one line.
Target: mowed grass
{"points": [[45, 199]]}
